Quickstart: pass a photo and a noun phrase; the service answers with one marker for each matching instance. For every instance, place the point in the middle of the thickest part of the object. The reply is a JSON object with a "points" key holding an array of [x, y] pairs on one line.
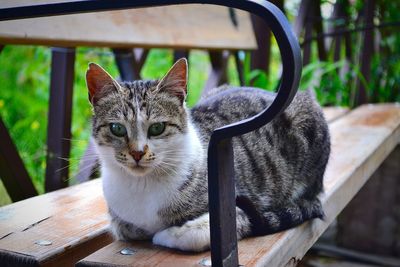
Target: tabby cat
{"points": [[152, 150]]}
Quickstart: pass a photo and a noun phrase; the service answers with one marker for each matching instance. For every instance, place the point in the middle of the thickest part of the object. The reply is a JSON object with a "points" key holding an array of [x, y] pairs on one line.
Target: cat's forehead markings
{"points": [[141, 136]]}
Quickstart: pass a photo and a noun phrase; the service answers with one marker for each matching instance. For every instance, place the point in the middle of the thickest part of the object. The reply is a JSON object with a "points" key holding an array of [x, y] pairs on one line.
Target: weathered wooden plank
{"points": [[74, 220], [334, 113], [185, 26], [361, 140]]}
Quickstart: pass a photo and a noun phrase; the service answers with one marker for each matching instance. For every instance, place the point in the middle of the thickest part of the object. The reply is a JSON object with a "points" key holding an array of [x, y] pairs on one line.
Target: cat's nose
{"points": [[137, 155]]}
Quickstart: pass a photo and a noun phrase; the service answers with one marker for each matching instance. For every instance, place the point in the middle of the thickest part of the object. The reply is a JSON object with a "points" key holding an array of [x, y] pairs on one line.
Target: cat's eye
{"points": [[156, 129], [118, 129]]}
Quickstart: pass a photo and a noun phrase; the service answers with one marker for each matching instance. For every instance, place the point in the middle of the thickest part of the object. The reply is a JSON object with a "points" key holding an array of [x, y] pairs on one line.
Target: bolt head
{"points": [[43, 242], [127, 251]]}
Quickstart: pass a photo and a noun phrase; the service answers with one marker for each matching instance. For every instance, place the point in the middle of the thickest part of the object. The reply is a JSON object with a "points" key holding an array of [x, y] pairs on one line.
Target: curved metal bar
{"points": [[220, 154]]}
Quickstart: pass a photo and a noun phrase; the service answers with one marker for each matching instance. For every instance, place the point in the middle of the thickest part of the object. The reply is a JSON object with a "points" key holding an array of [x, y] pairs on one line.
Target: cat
{"points": [[152, 150]]}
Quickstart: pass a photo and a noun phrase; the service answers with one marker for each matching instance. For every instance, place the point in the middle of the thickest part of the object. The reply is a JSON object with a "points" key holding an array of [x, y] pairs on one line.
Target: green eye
{"points": [[156, 128], [118, 129]]}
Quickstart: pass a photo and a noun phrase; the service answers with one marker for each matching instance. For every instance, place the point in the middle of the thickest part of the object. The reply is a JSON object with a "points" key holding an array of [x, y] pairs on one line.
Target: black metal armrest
{"points": [[220, 154]]}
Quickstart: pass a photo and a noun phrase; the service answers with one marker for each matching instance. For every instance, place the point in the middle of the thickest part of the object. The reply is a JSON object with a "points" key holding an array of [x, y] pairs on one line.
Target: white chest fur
{"points": [[135, 201], [139, 199]]}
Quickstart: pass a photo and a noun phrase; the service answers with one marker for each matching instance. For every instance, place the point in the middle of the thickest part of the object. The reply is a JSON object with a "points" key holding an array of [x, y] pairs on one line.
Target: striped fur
{"points": [[279, 167]]}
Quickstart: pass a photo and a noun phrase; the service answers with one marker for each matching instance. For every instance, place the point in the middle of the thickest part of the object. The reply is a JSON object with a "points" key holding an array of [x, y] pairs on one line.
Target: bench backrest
{"points": [[185, 26]]}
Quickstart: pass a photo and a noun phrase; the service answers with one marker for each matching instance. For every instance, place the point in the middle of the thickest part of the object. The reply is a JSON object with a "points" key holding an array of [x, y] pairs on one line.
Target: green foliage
{"points": [[23, 103], [335, 82]]}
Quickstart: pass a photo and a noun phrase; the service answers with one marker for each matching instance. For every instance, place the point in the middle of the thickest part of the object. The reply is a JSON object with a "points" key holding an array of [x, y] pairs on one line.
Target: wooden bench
{"points": [[74, 220]]}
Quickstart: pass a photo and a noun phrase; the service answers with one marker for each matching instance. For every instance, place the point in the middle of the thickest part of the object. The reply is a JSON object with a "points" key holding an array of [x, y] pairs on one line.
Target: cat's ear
{"points": [[99, 83], [175, 81]]}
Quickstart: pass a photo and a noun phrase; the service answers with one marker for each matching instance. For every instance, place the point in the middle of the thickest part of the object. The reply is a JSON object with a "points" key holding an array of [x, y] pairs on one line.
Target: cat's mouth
{"points": [[137, 168]]}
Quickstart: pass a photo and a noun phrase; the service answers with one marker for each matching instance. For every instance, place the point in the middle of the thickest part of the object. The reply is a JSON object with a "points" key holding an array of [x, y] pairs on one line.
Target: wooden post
{"points": [[307, 45], [303, 22], [130, 62], [301, 17], [367, 51], [260, 58], [178, 53], [239, 68], [217, 74], [59, 118], [319, 30]]}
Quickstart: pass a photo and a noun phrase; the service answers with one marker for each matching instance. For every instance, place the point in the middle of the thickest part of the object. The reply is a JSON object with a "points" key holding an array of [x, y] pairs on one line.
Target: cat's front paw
{"points": [[191, 236]]}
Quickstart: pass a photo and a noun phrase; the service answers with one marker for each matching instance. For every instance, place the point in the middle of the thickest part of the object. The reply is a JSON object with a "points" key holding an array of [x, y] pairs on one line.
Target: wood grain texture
{"points": [[184, 26], [73, 219], [361, 140], [334, 113]]}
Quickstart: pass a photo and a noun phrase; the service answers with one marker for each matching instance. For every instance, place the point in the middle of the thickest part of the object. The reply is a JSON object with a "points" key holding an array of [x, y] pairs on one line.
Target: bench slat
{"points": [[334, 113], [361, 140], [184, 26], [73, 219]]}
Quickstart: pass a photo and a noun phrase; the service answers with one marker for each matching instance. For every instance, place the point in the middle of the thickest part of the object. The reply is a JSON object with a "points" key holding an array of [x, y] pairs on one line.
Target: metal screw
{"points": [[205, 262], [43, 242], [127, 251]]}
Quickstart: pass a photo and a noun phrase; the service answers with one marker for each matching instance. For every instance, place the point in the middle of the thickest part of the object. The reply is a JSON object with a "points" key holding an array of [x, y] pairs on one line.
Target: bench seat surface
{"points": [[361, 140], [75, 219]]}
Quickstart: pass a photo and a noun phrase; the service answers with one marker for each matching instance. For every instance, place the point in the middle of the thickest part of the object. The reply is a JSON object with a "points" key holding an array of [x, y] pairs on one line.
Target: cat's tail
{"points": [[272, 221]]}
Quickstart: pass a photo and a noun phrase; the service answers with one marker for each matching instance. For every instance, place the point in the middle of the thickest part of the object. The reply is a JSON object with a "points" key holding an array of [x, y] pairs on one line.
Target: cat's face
{"points": [[139, 126]]}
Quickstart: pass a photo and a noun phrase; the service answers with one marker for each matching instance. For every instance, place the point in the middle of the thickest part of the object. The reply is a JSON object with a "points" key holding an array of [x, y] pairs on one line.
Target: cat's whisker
{"points": [[163, 170], [168, 164], [94, 170], [65, 167], [78, 158], [173, 153], [166, 168]]}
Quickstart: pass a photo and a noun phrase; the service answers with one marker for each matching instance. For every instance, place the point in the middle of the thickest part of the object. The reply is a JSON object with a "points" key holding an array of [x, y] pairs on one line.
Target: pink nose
{"points": [[137, 155]]}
